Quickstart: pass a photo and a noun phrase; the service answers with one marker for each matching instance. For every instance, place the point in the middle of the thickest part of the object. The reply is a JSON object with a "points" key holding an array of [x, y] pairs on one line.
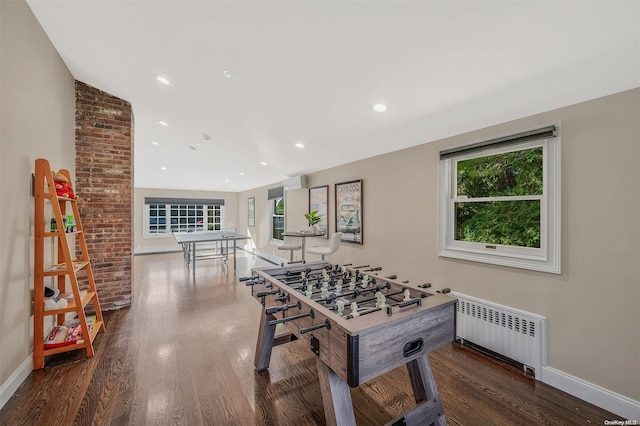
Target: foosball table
{"points": [[359, 326]]}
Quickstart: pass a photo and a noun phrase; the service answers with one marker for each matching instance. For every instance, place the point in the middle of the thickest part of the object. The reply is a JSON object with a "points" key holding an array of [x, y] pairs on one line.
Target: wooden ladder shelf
{"points": [[64, 272]]}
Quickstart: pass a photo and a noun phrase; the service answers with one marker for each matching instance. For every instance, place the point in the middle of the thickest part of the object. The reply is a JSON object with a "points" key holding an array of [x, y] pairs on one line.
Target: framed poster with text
{"points": [[349, 210], [251, 208], [318, 200]]}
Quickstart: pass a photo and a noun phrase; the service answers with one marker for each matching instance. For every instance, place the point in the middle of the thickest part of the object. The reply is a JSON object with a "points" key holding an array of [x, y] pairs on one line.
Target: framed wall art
{"points": [[318, 200], [251, 208], [349, 211]]}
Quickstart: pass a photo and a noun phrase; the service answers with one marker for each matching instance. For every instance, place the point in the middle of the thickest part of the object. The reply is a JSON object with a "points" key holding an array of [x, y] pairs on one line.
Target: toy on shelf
{"points": [[63, 187]]}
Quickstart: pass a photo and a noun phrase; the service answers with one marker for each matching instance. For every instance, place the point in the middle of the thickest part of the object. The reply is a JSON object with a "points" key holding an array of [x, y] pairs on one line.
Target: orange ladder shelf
{"points": [[48, 206]]}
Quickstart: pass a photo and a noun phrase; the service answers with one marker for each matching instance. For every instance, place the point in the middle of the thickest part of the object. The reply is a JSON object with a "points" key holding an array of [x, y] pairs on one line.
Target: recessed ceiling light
{"points": [[206, 137], [262, 163], [227, 180], [155, 143], [163, 80], [241, 173], [163, 168], [380, 107], [193, 148], [227, 73], [163, 123], [299, 145]]}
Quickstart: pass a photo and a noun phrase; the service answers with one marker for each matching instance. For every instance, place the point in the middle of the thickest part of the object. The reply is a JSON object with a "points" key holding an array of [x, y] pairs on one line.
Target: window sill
{"points": [[542, 265]]}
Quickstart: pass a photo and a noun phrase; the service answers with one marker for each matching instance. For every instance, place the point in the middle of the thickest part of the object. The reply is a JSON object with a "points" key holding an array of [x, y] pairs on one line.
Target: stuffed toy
{"points": [[63, 189]]}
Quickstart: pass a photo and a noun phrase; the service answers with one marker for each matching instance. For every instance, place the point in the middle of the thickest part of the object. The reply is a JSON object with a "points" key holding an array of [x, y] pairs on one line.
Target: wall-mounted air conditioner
{"points": [[296, 182]]}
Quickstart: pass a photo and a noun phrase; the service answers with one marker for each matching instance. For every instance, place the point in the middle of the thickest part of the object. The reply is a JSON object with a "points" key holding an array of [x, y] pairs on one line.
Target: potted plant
{"points": [[313, 219]]}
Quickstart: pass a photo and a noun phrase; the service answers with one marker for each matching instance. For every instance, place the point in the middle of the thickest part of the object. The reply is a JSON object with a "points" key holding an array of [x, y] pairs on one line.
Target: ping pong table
{"points": [[209, 243]]}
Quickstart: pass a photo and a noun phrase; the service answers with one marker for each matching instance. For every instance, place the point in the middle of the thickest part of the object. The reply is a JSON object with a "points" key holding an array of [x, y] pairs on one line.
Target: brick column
{"points": [[104, 182]]}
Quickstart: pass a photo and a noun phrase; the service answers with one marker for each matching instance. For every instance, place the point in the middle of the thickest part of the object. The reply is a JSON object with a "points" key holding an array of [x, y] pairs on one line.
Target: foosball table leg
{"points": [[336, 398], [264, 344], [429, 409]]}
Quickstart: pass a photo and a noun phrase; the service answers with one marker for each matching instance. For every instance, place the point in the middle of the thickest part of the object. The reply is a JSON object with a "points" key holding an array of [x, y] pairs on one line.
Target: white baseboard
{"points": [[273, 258], [618, 404], [14, 381]]}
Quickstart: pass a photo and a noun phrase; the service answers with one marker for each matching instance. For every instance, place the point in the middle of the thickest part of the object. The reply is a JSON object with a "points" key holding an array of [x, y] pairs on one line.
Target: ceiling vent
{"points": [[296, 182]]}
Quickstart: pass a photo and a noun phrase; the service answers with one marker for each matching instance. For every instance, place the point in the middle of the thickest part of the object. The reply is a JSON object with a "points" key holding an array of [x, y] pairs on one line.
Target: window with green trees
{"points": [[498, 198], [500, 203]]}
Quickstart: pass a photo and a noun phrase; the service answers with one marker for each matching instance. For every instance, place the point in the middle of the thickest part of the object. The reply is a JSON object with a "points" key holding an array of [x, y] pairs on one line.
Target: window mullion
{"points": [[464, 199]]}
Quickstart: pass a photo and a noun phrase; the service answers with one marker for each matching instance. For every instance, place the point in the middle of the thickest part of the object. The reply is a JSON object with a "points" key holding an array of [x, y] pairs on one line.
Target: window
{"points": [[164, 219], [500, 201], [276, 200], [277, 218]]}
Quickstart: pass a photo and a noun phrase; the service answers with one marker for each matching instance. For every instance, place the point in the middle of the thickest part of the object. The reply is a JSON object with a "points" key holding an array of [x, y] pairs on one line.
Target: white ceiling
{"points": [[310, 71]]}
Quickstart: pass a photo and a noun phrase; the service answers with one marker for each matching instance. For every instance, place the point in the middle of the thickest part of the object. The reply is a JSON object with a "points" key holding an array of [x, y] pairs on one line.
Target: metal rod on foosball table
{"points": [[281, 308], [334, 276], [298, 271], [357, 292], [284, 298], [268, 293], [403, 304], [295, 317], [317, 278], [252, 277], [326, 324], [318, 284], [371, 299], [263, 294], [300, 281]]}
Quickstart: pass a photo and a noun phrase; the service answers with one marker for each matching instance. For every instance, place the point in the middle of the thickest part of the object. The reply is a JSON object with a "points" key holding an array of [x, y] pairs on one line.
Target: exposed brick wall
{"points": [[104, 182]]}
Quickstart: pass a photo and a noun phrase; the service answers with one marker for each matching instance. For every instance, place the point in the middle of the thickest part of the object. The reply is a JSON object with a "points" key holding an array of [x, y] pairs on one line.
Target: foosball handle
{"points": [[284, 298], [268, 293], [272, 310], [292, 318], [416, 301], [255, 281], [325, 324]]}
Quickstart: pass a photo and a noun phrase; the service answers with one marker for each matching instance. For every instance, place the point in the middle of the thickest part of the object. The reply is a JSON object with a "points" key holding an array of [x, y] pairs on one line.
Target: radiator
{"points": [[517, 335]]}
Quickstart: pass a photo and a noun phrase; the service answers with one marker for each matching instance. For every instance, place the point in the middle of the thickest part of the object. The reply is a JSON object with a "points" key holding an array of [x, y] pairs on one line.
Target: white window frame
{"points": [[547, 258], [168, 231]]}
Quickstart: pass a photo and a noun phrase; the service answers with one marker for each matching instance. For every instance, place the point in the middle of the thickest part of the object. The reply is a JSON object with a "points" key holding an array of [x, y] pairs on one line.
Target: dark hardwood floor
{"points": [[183, 354]]}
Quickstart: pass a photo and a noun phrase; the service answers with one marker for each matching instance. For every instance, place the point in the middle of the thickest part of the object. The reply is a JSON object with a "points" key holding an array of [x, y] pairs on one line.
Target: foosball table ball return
{"points": [[359, 326]]}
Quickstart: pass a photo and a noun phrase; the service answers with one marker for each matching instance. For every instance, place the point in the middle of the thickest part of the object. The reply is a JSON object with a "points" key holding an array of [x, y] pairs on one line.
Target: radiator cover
{"points": [[509, 332]]}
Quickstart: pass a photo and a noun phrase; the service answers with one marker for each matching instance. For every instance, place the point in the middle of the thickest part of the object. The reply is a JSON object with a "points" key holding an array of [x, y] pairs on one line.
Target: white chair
{"points": [[334, 245], [291, 247]]}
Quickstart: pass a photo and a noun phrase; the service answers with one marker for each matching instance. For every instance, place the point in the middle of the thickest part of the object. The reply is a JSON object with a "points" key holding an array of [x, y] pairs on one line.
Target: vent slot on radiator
{"points": [[508, 332]]}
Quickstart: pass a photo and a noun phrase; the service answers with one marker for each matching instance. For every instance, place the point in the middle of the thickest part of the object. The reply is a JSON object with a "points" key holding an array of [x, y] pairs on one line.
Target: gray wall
{"points": [[37, 108]]}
